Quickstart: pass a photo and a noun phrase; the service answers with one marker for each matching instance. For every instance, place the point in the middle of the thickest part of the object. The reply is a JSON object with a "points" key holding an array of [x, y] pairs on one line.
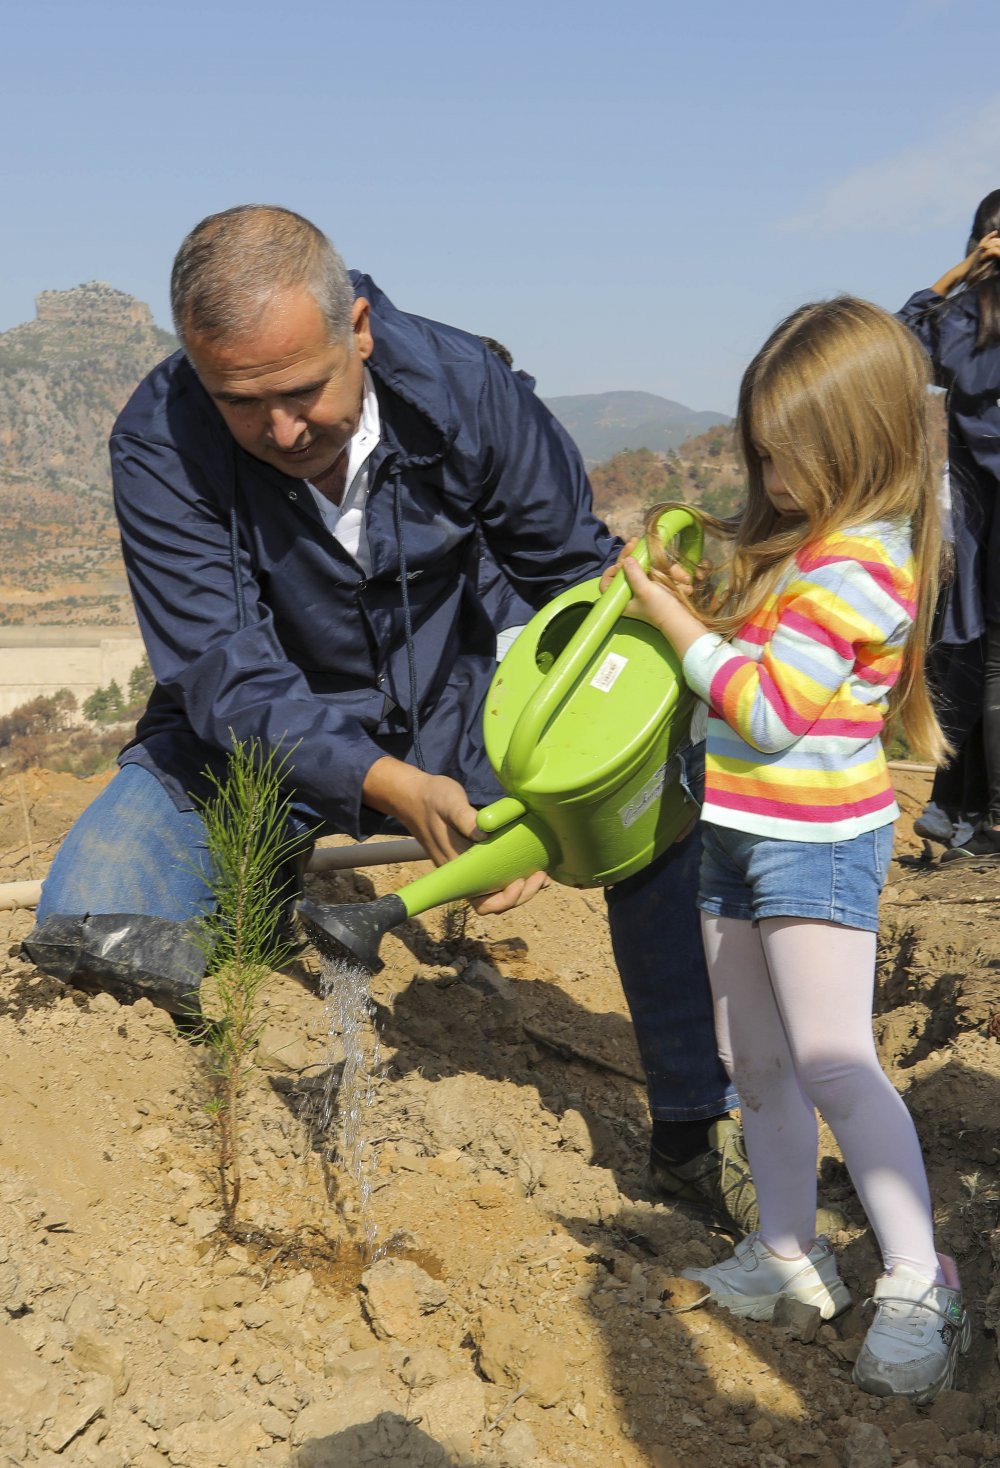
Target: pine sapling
{"points": [[251, 855]]}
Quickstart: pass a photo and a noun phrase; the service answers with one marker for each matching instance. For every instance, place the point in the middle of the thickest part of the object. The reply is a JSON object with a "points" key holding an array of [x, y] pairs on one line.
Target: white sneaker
{"points": [[934, 824], [913, 1344], [753, 1281]]}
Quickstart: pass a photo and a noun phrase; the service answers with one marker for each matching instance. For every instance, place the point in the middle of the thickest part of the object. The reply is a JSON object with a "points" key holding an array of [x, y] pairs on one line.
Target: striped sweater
{"points": [[797, 698]]}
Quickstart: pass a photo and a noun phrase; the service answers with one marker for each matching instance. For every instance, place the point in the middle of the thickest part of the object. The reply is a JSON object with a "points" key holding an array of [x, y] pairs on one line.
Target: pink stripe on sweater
{"points": [[817, 632], [722, 679], [850, 728], [887, 576], [824, 815]]}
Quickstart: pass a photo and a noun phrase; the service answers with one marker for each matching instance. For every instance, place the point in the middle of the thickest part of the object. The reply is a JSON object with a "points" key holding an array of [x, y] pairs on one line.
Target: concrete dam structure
{"points": [[37, 661]]}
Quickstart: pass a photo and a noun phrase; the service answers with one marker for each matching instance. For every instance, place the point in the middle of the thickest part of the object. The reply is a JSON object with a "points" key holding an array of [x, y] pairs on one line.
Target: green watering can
{"points": [[583, 724]]}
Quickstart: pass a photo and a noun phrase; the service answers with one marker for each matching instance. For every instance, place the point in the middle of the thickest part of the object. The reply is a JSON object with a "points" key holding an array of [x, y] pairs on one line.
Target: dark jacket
{"points": [[948, 329], [256, 619]]}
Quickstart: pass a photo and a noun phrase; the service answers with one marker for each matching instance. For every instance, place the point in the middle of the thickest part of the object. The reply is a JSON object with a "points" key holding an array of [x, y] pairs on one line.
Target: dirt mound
{"points": [[524, 1312]]}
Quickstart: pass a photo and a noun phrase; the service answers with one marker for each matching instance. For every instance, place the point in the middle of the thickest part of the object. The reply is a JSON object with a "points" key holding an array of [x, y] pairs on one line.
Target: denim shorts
{"points": [[754, 877]]}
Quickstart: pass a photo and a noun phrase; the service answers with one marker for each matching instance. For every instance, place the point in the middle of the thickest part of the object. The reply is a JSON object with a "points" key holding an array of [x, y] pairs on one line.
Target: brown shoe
{"points": [[719, 1179]]}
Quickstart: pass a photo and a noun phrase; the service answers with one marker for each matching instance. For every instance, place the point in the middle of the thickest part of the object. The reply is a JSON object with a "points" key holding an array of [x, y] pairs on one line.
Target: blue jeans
{"points": [[656, 937], [756, 877], [132, 851]]}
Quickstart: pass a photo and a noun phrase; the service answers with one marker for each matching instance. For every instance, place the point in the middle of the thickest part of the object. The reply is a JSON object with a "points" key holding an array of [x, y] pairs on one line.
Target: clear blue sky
{"points": [[629, 195]]}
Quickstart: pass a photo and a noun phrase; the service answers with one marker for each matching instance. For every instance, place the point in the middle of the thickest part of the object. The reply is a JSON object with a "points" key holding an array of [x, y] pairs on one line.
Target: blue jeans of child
{"points": [[132, 851]]}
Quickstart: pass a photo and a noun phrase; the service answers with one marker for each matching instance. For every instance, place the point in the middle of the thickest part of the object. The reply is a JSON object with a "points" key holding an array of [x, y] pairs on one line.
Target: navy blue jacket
{"points": [[257, 621], [948, 329]]}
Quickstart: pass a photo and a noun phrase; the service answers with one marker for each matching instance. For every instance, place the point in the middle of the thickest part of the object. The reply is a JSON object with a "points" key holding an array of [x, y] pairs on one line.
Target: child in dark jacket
{"points": [[958, 322]]}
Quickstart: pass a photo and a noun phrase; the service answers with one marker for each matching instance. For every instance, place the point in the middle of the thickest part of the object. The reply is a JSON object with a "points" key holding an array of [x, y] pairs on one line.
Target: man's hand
{"points": [[436, 810]]}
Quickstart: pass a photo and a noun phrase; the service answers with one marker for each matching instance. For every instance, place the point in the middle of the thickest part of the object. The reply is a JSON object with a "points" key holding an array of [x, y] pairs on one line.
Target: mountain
{"points": [[64, 377], [602, 424]]}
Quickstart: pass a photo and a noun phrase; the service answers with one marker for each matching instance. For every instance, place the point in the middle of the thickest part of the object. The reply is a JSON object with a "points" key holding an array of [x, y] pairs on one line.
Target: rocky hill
{"points": [[63, 379], [704, 471], [65, 376]]}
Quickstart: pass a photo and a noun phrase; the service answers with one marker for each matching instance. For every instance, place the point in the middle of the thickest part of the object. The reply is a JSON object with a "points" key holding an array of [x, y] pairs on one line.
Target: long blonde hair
{"points": [[836, 396]]}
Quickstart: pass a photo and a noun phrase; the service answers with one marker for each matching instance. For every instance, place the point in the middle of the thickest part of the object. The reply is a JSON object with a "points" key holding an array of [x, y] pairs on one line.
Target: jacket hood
{"points": [[407, 361]]}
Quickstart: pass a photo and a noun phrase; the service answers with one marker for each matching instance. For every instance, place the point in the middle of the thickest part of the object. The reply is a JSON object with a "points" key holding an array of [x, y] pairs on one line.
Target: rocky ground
{"points": [[523, 1311]]}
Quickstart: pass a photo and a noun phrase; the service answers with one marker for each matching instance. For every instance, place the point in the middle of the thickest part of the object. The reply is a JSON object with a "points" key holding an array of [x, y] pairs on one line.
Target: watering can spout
{"points": [[517, 845], [351, 934]]}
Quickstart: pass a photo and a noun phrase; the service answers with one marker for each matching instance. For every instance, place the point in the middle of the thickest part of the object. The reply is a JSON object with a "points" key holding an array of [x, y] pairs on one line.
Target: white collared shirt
{"points": [[346, 521]]}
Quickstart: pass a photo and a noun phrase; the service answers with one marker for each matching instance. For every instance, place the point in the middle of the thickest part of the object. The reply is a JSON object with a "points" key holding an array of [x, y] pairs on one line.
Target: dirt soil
{"points": [[524, 1310]]}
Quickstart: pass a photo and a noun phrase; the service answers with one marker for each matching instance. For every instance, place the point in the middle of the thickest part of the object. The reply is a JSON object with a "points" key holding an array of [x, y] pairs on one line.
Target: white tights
{"points": [[793, 1016]]}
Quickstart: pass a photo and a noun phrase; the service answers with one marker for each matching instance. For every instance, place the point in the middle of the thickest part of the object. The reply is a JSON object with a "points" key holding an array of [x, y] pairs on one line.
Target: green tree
{"points": [[140, 682], [105, 705]]}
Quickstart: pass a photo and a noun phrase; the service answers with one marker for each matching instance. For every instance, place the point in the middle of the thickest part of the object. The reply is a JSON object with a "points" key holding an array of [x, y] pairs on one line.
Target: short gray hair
{"points": [[232, 263]]}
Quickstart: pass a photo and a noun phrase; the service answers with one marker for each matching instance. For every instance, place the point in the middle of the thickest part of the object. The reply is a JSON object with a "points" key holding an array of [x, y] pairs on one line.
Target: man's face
{"points": [[289, 394]]}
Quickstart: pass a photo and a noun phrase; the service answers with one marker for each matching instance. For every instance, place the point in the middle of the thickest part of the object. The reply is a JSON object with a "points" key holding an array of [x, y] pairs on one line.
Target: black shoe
{"points": [[130, 955], [984, 843]]}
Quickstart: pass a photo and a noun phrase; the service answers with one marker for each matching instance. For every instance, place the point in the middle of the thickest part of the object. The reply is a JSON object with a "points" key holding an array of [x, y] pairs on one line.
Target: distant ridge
{"points": [[602, 424]]}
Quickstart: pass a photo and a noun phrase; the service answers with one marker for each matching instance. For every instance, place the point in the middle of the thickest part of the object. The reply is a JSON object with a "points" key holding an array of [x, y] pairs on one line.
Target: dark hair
{"points": [[985, 279], [499, 350]]}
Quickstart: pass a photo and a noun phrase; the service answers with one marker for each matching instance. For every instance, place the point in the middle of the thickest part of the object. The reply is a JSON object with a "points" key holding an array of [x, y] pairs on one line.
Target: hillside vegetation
{"points": [[705, 471]]}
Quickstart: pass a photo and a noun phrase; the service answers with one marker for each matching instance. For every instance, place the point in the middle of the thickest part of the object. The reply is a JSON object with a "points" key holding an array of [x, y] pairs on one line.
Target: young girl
{"points": [[817, 633]]}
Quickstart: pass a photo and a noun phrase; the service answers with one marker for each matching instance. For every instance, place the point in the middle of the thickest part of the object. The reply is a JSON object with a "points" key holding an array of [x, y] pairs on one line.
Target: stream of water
{"points": [[348, 1094]]}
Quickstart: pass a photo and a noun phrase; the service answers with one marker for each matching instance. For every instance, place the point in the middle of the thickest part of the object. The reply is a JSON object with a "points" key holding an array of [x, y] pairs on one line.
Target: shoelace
{"points": [[901, 1315]]}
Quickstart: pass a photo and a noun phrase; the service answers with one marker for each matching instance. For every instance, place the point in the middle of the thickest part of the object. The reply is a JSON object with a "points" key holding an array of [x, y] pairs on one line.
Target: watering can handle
{"points": [[522, 752]]}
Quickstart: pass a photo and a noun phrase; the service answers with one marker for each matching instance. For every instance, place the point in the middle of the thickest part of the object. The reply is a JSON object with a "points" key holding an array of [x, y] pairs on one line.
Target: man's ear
{"points": [[361, 325]]}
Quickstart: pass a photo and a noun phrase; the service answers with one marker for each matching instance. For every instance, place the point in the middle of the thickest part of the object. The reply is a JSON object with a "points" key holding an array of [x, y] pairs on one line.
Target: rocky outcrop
{"points": [[94, 303]]}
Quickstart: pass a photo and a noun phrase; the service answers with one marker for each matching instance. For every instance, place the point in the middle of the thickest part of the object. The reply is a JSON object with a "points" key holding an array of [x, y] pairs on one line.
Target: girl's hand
{"points": [[651, 602], [678, 574], [656, 604], [988, 248], [608, 576]]}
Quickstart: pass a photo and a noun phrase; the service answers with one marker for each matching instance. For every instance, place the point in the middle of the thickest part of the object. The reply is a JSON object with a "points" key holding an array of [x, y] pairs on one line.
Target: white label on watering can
{"points": [[608, 672], [644, 798]]}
